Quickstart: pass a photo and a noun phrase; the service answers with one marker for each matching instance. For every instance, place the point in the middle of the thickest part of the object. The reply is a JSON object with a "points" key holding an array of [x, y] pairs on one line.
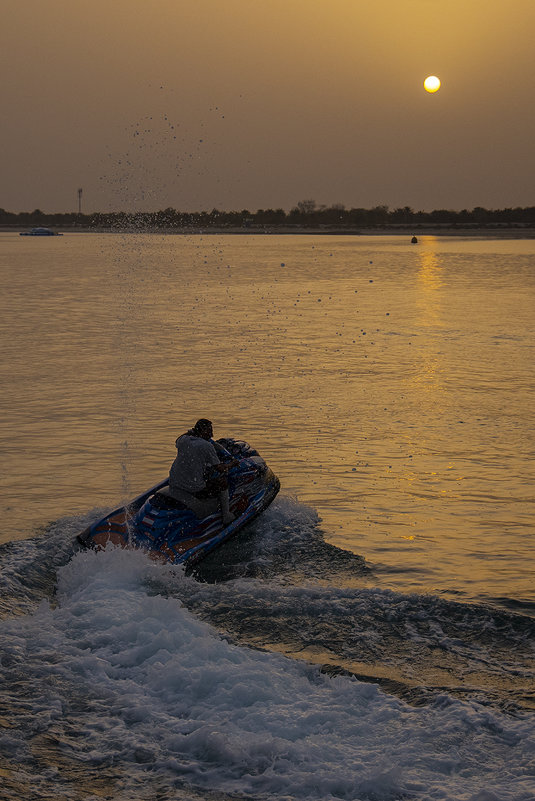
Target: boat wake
{"points": [[125, 677]]}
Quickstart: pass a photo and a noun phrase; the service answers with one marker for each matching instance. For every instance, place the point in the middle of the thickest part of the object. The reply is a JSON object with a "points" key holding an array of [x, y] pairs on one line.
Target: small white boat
{"points": [[40, 232]]}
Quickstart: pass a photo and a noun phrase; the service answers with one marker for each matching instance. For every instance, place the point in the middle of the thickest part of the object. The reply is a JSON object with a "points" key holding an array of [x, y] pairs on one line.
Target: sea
{"points": [[370, 637]]}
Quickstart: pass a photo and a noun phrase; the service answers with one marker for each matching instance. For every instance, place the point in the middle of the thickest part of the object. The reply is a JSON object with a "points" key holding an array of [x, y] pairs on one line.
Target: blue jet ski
{"points": [[170, 531]]}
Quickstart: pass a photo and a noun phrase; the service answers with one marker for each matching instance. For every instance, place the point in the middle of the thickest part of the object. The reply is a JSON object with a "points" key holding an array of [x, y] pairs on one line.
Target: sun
{"points": [[432, 84]]}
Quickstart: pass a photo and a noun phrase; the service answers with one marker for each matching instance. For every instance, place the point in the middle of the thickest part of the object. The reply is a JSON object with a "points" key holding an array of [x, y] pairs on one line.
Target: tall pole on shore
{"points": [[79, 201]]}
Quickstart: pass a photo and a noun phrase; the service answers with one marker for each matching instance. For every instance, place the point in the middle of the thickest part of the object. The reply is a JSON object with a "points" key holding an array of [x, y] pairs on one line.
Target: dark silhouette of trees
{"points": [[306, 214]]}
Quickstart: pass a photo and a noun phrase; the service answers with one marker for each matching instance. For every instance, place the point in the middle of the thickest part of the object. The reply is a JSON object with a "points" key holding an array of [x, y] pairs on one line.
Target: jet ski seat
{"points": [[200, 508], [164, 500]]}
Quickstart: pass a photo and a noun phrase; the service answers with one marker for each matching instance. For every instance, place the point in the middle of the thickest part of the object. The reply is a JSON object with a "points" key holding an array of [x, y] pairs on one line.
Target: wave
{"points": [[130, 677]]}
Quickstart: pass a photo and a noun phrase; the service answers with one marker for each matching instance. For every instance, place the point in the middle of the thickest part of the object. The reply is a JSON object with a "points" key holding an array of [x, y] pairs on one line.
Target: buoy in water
{"points": [[414, 240]]}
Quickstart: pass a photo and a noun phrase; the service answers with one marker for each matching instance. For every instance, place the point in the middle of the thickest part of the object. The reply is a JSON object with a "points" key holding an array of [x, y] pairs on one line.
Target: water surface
{"points": [[390, 386], [371, 636]]}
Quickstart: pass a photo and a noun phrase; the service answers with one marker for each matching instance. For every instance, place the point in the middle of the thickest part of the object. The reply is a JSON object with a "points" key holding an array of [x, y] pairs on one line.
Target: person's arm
{"points": [[224, 467], [226, 460], [212, 465]]}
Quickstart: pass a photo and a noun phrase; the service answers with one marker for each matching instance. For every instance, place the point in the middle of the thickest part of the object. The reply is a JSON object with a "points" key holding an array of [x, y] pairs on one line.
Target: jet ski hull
{"points": [[171, 532]]}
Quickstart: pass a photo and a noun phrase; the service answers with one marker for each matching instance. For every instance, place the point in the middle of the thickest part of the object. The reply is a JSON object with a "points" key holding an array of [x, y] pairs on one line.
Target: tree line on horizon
{"points": [[306, 214]]}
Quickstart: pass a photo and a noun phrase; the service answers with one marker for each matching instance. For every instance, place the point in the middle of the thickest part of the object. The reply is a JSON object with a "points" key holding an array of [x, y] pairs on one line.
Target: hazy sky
{"points": [[254, 104]]}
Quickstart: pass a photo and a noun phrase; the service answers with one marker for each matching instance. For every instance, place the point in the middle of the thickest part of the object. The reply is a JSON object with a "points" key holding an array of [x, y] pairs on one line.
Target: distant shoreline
{"points": [[487, 232]]}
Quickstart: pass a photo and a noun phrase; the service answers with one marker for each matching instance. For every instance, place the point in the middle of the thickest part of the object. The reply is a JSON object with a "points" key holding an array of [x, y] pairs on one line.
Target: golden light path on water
{"points": [[388, 385]]}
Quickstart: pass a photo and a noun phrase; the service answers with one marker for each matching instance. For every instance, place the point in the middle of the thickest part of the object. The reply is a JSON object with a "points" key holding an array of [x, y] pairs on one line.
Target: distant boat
{"points": [[40, 232], [414, 240]]}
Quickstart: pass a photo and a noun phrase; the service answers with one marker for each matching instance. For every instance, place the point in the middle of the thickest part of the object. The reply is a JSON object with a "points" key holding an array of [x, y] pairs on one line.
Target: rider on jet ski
{"points": [[197, 475]]}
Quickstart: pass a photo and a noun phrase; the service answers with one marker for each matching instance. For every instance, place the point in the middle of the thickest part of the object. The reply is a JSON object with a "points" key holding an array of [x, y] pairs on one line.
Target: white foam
{"points": [[162, 689]]}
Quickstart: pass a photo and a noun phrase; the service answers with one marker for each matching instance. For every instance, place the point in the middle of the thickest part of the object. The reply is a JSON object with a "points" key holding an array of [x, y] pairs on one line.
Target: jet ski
{"points": [[170, 531]]}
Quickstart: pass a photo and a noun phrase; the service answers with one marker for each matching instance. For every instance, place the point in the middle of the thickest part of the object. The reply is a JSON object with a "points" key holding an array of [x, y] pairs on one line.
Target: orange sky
{"points": [[255, 104]]}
